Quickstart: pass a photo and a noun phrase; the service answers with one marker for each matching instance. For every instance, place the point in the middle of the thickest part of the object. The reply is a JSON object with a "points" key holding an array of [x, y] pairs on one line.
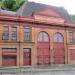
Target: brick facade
{"points": [[36, 27], [40, 22]]}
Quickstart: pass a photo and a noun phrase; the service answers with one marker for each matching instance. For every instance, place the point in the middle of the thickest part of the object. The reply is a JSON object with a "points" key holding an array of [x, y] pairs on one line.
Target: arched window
{"points": [[58, 37], [43, 37]]}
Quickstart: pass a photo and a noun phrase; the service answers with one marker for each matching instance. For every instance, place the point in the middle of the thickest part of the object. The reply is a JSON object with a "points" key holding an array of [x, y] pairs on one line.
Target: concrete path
{"points": [[42, 70]]}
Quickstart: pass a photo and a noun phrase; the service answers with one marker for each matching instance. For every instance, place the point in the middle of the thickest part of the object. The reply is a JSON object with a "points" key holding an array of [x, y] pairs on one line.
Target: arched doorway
{"points": [[43, 48], [59, 52]]}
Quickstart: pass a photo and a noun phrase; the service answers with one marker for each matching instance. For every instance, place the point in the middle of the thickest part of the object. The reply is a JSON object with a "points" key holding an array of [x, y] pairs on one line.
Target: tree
{"points": [[72, 18], [19, 3], [0, 3], [8, 5], [11, 5]]}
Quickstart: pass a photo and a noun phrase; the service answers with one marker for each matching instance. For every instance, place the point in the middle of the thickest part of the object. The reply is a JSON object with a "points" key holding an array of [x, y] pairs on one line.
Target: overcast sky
{"points": [[67, 4]]}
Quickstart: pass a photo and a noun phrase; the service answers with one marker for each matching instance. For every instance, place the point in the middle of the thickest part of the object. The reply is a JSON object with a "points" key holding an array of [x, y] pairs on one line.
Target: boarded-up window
{"points": [[9, 60], [9, 56]]}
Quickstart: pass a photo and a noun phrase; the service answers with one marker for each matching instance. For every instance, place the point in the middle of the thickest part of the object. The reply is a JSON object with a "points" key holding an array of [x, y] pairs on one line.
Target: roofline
{"points": [[27, 19]]}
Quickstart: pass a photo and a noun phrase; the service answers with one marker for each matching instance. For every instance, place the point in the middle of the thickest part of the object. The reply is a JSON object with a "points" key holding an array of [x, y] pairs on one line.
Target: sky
{"points": [[69, 5]]}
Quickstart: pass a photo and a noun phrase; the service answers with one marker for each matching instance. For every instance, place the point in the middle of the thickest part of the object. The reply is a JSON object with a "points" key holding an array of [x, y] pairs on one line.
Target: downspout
{"points": [[66, 42]]}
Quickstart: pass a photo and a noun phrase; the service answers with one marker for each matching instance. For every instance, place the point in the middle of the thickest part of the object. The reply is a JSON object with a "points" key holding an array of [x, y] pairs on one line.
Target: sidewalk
{"points": [[39, 70]]}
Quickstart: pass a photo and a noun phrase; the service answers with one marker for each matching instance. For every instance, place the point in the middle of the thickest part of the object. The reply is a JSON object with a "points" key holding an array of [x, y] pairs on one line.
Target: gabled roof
{"points": [[27, 9]]}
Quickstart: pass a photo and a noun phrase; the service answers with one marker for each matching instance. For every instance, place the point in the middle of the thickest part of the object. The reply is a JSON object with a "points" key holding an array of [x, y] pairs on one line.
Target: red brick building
{"points": [[36, 34]]}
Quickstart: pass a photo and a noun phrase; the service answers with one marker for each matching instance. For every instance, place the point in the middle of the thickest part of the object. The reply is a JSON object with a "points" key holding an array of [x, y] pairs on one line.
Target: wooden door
{"points": [[43, 49], [72, 56], [43, 53], [59, 52], [27, 57]]}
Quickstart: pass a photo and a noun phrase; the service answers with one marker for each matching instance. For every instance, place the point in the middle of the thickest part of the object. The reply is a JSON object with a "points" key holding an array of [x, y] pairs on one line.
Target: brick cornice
{"points": [[51, 20]]}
